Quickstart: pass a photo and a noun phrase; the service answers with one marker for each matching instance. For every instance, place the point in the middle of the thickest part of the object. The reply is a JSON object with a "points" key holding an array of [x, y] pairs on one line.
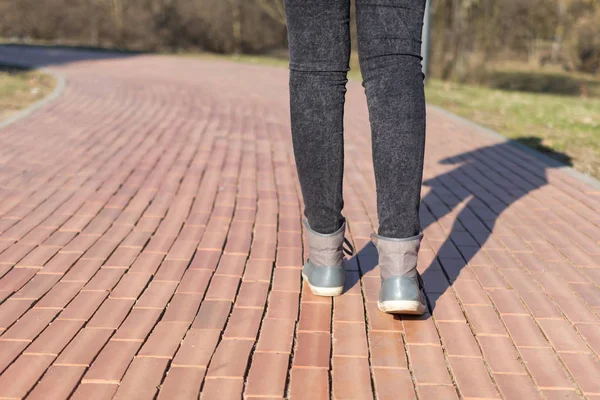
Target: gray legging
{"points": [[389, 47]]}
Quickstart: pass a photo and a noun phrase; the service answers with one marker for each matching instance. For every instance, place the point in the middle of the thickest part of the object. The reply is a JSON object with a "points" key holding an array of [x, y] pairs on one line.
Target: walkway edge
{"points": [[551, 162], [58, 90]]}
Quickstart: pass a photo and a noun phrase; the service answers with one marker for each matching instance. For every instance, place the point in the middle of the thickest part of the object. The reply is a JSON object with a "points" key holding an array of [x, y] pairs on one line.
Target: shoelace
{"points": [[350, 250]]}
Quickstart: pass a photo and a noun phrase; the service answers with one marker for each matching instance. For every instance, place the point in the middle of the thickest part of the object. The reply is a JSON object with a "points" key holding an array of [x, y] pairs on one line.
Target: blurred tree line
{"points": [[467, 35]]}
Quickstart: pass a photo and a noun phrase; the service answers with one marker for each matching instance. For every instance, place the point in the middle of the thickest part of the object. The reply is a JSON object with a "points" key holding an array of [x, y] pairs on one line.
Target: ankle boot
{"points": [[324, 270], [401, 284]]}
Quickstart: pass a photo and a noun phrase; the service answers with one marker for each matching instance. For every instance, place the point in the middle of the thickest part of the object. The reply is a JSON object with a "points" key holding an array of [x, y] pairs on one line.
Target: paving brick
{"points": [[283, 305], [458, 339], [147, 263], [142, 379], [312, 350], [348, 309], [276, 335], [349, 339], [508, 302], [105, 279], [371, 286], [585, 369], [267, 376], [500, 354], [197, 348], [82, 270], [170, 271], [60, 295], [83, 306], [137, 325], [182, 307], [446, 307], [14, 279], [36, 287], [205, 259], [490, 278], [437, 392], [420, 330], [231, 264], [252, 294], [157, 295], [379, 321], [212, 314], [223, 288], [392, 383], [545, 368], [470, 293], [315, 317], [258, 270], [194, 281], [112, 362], [289, 257], [23, 374], [222, 389], [243, 323], [484, 321], [9, 351], [309, 383], [95, 391], [230, 359], [286, 279], [387, 350], [524, 331], [516, 387], [110, 314], [84, 347], [351, 378], [540, 305], [55, 337], [30, 325], [552, 394], [472, 378], [591, 334], [11, 310], [137, 205], [562, 335], [428, 365], [575, 309], [182, 383], [57, 383]]}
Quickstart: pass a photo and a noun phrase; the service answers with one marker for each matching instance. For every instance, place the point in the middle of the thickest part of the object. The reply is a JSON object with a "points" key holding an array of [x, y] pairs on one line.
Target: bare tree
{"points": [[274, 9]]}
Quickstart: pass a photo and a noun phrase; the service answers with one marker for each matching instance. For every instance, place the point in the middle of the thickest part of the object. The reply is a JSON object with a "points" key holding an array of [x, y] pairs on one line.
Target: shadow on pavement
{"points": [[484, 183], [35, 56]]}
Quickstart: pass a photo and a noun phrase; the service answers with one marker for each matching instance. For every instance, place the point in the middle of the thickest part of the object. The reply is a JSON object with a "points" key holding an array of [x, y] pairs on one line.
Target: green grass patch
{"points": [[21, 88], [550, 79], [562, 126]]}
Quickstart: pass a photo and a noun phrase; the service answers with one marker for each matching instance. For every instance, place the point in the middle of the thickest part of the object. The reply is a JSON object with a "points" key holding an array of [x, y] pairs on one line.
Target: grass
{"points": [[563, 124], [21, 88]]}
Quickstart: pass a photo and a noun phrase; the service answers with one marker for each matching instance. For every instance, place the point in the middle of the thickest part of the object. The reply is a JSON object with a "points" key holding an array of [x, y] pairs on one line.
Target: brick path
{"points": [[151, 243]]}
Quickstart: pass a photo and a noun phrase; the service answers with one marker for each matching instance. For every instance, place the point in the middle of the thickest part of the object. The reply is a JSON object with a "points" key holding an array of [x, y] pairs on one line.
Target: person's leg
{"points": [[389, 45], [319, 43]]}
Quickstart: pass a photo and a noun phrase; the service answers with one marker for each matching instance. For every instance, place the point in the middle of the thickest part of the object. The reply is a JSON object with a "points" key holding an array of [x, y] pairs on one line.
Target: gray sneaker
{"points": [[324, 270], [401, 284]]}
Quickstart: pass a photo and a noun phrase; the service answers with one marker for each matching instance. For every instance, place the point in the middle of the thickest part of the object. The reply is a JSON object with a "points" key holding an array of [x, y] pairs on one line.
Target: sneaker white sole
{"points": [[402, 307], [323, 291]]}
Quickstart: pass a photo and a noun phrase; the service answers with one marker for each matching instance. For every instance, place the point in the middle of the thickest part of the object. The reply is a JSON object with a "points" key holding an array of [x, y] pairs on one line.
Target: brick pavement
{"points": [[151, 241]]}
